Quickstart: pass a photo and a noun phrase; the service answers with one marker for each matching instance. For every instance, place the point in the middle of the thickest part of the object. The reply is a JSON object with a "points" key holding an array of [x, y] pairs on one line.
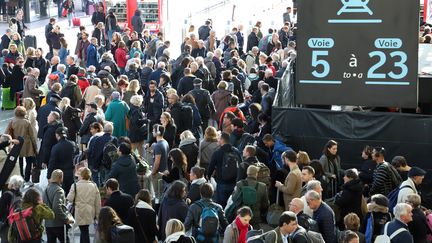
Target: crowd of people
{"points": [[154, 148]]}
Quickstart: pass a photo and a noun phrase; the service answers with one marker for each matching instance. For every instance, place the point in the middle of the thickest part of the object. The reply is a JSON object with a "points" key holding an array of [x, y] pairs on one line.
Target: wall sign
{"points": [[357, 52]]}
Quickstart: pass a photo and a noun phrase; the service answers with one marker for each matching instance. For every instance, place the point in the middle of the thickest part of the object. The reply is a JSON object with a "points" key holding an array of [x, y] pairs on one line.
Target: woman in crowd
{"points": [[221, 99], [164, 85], [350, 198], [21, 127], [33, 199], [170, 128], [352, 223], [142, 217], [116, 113], [132, 89], [137, 124], [319, 175], [177, 170], [207, 146], [418, 227], [70, 117], [30, 60], [367, 168], [106, 220], [17, 40], [107, 89], [331, 163], [197, 179], [85, 194], [30, 107], [120, 55], [69, 6], [173, 206], [237, 230], [64, 52], [253, 124], [14, 186], [189, 147], [17, 77], [136, 48], [302, 159], [175, 232], [42, 64]]}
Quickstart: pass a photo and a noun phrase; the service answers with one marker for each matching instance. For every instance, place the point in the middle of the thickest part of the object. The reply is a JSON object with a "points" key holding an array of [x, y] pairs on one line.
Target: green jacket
{"points": [[40, 212], [116, 113]]}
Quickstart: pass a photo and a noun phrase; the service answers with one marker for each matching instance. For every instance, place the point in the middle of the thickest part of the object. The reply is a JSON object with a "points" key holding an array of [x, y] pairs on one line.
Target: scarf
{"points": [[243, 229]]}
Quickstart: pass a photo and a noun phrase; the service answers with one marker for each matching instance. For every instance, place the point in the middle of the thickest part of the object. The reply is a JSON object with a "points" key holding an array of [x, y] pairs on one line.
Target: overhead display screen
{"points": [[357, 52]]}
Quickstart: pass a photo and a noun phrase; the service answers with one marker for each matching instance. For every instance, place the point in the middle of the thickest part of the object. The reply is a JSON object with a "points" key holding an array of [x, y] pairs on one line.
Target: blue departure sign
{"points": [[357, 52]]}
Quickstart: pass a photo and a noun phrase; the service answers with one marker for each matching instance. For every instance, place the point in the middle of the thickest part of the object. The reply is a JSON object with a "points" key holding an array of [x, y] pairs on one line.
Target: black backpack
{"points": [[246, 139], [69, 91], [186, 118], [230, 164], [122, 234], [109, 154]]}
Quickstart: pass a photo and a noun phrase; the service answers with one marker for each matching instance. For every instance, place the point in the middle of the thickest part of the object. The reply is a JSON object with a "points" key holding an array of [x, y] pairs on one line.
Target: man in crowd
{"points": [[397, 229], [287, 226], [415, 179], [119, 201], [49, 138], [153, 103], [193, 217], [382, 179], [62, 155], [291, 188], [308, 174], [323, 215], [160, 157], [203, 101], [226, 177]]}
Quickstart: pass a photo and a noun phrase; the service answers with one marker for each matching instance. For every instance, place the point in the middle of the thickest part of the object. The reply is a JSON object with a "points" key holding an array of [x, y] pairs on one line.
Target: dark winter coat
{"points": [[72, 121], [17, 81], [54, 38], [62, 155], [143, 222], [97, 17], [153, 109], [185, 85], [203, 102], [418, 227], [43, 66], [137, 124], [325, 218], [252, 41], [405, 236], [42, 116], [349, 199], [137, 23], [84, 131], [121, 203], [190, 149], [124, 170], [216, 163], [48, 141], [194, 193], [95, 150], [171, 208]]}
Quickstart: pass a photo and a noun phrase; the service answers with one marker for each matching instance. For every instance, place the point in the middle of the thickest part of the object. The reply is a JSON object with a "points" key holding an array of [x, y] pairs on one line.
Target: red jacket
{"points": [[120, 56], [234, 110], [83, 83]]}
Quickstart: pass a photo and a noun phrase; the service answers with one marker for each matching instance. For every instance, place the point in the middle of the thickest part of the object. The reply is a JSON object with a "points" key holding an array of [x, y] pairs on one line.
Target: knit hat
{"points": [[252, 170], [416, 171]]}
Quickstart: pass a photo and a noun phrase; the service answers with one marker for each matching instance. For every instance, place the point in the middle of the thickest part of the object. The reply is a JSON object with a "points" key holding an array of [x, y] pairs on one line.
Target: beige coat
{"points": [[3, 157], [88, 202], [22, 127], [292, 186], [90, 93]]}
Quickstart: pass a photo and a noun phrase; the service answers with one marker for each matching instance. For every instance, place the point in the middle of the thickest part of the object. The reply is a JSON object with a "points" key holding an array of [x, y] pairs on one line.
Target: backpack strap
{"points": [[397, 232], [385, 228]]}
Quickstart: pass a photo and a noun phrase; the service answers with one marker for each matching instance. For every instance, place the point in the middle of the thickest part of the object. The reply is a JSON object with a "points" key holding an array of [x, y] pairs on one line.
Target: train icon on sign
{"points": [[355, 6]]}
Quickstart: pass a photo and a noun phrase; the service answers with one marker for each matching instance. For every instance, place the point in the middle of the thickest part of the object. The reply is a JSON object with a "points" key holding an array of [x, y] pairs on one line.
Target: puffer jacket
{"points": [[350, 199], [87, 201]]}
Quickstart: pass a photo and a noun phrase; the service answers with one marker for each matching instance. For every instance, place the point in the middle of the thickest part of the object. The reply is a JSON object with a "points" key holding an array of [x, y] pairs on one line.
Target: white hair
{"points": [[149, 63], [199, 60], [108, 127], [313, 185], [401, 209], [136, 100], [166, 52], [16, 182], [269, 71], [61, 68], [161, 65], [218, 52], [313, 195], [210, 54], [255, 48]]}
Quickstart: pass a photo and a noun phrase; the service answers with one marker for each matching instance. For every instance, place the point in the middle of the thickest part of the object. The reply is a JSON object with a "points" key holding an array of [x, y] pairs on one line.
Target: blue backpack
{"points": [[209, 222], [393, 197]]}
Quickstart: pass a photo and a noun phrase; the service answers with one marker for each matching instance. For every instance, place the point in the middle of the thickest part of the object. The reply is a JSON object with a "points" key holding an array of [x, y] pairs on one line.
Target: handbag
{"points": [[72, 207], [64, 12]]}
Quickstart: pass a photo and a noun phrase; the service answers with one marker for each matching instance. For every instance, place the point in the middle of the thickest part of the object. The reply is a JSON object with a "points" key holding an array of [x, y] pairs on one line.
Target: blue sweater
{"points": [[325, 218]]}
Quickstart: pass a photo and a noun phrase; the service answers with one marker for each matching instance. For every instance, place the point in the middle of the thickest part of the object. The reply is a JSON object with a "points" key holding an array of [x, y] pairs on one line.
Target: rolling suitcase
{"points": [[30, 41], [7, 103], [76, 21]]}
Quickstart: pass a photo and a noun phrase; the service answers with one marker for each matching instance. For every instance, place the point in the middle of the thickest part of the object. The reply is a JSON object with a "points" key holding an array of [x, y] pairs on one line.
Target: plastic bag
{"points": [[43, 180]]}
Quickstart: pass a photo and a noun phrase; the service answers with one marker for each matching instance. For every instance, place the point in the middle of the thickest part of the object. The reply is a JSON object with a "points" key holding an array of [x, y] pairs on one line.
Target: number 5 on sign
{"points": [[316, 61]]}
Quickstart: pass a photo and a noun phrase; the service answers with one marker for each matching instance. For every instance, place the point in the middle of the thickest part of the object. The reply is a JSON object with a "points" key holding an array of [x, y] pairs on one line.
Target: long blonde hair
{"points": [[173, 226]]}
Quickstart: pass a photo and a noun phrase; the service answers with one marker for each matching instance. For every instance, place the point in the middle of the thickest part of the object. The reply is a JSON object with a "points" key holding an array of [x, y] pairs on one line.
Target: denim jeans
{"points": [[69, 17], [223, 192]]}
